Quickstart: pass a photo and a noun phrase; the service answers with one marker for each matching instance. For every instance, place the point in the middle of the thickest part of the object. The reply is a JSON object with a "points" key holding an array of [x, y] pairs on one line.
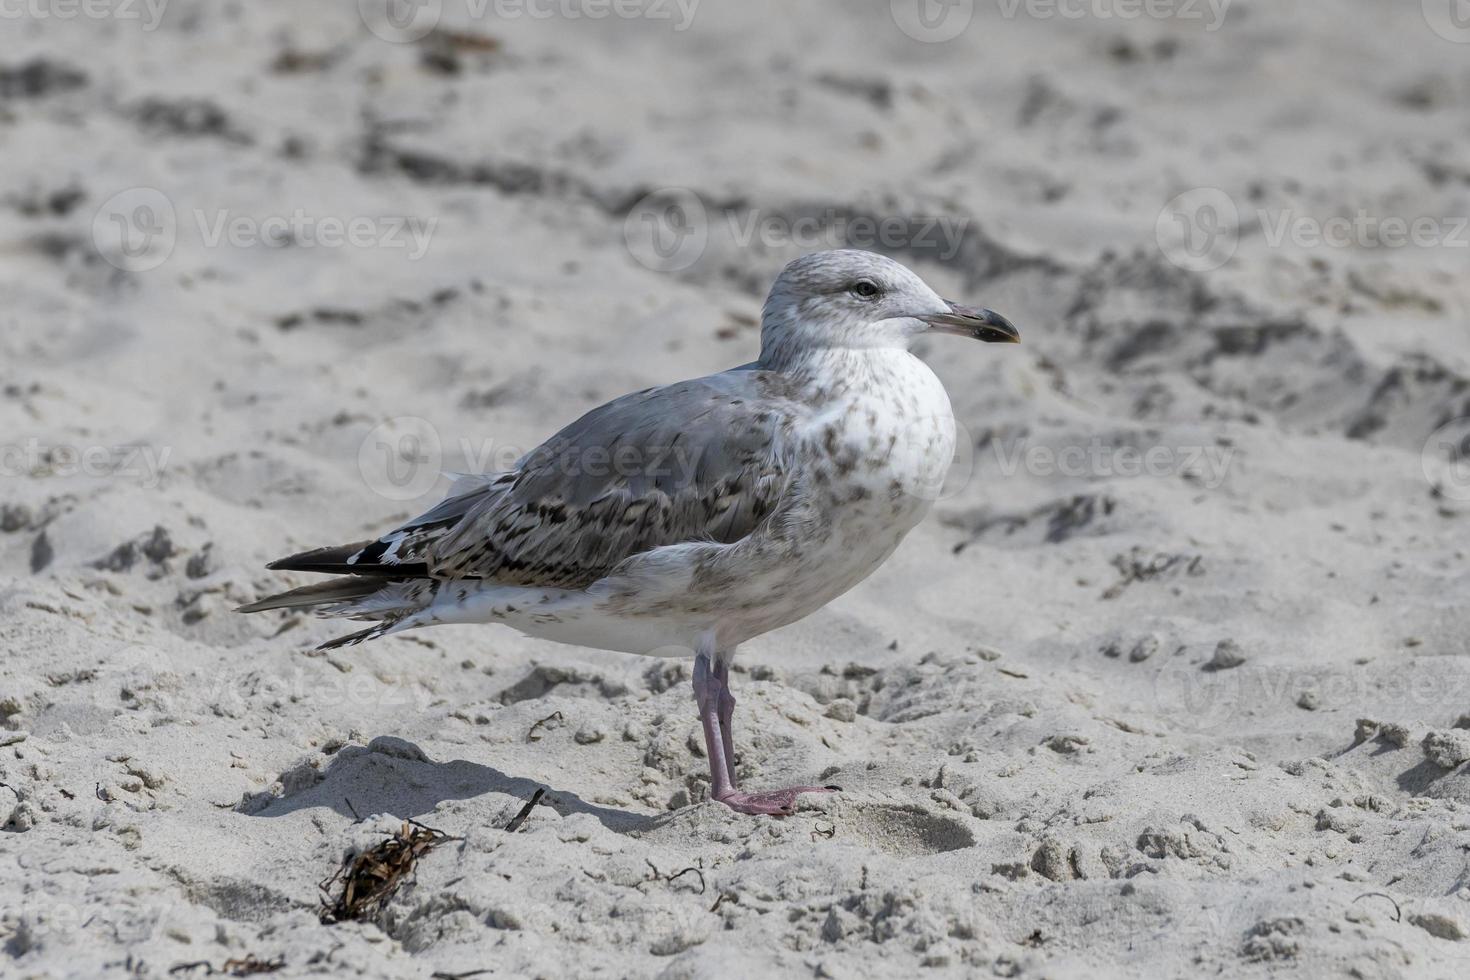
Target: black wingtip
{"points": [[318, 558], [334, 561]]}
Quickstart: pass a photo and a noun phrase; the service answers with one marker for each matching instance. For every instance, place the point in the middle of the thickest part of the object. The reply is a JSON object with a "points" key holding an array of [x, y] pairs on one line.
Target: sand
{"points": [[1173, 682]]}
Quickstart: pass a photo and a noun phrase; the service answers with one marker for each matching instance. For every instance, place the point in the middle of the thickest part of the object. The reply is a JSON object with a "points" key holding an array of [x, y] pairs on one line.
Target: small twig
{"points": [[520, 818], [680, 874], [531, 736], [250, 965], [246, 966], [443, 837], [353, 809], [716, 907], [1398, 913], [442, 975], [660, 876]]}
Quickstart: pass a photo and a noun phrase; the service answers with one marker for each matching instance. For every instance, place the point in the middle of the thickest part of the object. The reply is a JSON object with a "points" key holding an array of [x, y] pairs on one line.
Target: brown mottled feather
{"points": [[694, 461]]}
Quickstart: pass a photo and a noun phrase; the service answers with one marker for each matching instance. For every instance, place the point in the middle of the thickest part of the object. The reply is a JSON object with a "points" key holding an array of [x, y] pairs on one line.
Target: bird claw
{"points": [[771, 802]]}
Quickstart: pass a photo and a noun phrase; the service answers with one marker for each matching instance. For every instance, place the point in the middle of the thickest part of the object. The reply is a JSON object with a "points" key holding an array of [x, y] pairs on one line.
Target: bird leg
{"points": [[726, 712], [716, 706]]}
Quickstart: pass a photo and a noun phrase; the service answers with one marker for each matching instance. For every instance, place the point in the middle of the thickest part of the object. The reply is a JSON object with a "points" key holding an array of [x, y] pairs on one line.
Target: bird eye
{"points": [[866, 289]]}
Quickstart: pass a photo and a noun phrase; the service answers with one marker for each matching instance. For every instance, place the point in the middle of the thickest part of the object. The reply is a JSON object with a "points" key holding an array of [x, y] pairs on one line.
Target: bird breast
{"points": [[887, 438]]}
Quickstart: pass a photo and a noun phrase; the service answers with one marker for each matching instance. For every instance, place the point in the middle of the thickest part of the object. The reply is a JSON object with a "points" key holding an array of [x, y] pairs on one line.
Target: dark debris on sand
{"points": [[368, 880]]}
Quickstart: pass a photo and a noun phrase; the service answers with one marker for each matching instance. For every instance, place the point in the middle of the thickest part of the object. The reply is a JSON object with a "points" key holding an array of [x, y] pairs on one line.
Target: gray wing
{"points": [[700, 460]]}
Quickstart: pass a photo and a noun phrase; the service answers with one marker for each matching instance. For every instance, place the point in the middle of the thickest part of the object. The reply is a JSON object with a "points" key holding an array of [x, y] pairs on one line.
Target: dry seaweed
{"points": [[249, 965], [368, 880]]}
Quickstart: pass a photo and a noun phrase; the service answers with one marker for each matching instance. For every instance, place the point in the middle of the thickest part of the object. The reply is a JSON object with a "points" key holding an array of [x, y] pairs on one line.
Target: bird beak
{"points": [[966, 321]]}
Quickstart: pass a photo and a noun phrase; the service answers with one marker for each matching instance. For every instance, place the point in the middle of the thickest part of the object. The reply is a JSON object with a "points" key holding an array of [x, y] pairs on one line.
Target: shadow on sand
{"points": [[392, 775]]}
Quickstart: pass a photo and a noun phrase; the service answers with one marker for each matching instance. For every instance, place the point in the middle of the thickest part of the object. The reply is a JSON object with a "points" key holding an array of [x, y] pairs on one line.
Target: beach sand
{"points": [[1172, 682]]}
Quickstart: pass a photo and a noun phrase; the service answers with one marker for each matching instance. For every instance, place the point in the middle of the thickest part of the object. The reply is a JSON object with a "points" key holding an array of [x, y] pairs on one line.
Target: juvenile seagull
{"points": [[693, 516]]}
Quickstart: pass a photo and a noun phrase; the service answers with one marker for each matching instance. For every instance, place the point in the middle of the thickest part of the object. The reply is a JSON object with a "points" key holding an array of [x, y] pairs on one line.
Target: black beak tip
{"points": [[996, 329], [966, 321]]}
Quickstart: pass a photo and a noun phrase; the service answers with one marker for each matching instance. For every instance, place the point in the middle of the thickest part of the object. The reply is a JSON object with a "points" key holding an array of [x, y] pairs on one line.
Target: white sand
{"points": [[1050, 768]]}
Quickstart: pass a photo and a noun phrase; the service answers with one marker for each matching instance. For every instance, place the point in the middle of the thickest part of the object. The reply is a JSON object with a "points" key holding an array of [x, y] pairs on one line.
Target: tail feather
{"points": [[361, 636], [345, 589], [385, 581], [395, 599], [389, 605]]}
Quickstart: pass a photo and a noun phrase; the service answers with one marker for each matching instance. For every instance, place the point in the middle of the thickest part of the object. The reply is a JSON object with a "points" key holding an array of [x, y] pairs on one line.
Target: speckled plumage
{"points": [[688, 518]]}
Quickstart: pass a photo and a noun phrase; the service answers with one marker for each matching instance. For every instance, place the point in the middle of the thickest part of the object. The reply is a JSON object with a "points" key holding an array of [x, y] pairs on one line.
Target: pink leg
{"points": [[726, 712], [716, 705]]}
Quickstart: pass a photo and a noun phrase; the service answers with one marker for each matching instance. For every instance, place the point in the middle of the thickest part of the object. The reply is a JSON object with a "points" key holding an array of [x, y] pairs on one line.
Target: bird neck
{"points": [[793, 339], [834, 372], [796, 354]]}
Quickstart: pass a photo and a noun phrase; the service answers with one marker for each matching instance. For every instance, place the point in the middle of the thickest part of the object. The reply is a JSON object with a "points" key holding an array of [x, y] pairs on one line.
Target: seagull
{"points": [[691, 517]]}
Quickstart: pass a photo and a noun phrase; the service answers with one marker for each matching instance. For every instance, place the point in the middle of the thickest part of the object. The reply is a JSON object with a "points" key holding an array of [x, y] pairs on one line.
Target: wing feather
{"points": [[701, 460]]}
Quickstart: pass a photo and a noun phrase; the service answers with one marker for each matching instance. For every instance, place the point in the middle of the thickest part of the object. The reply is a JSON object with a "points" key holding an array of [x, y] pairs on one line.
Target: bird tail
{"points": [[390, 604], [337, 590], [384, 581]]}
